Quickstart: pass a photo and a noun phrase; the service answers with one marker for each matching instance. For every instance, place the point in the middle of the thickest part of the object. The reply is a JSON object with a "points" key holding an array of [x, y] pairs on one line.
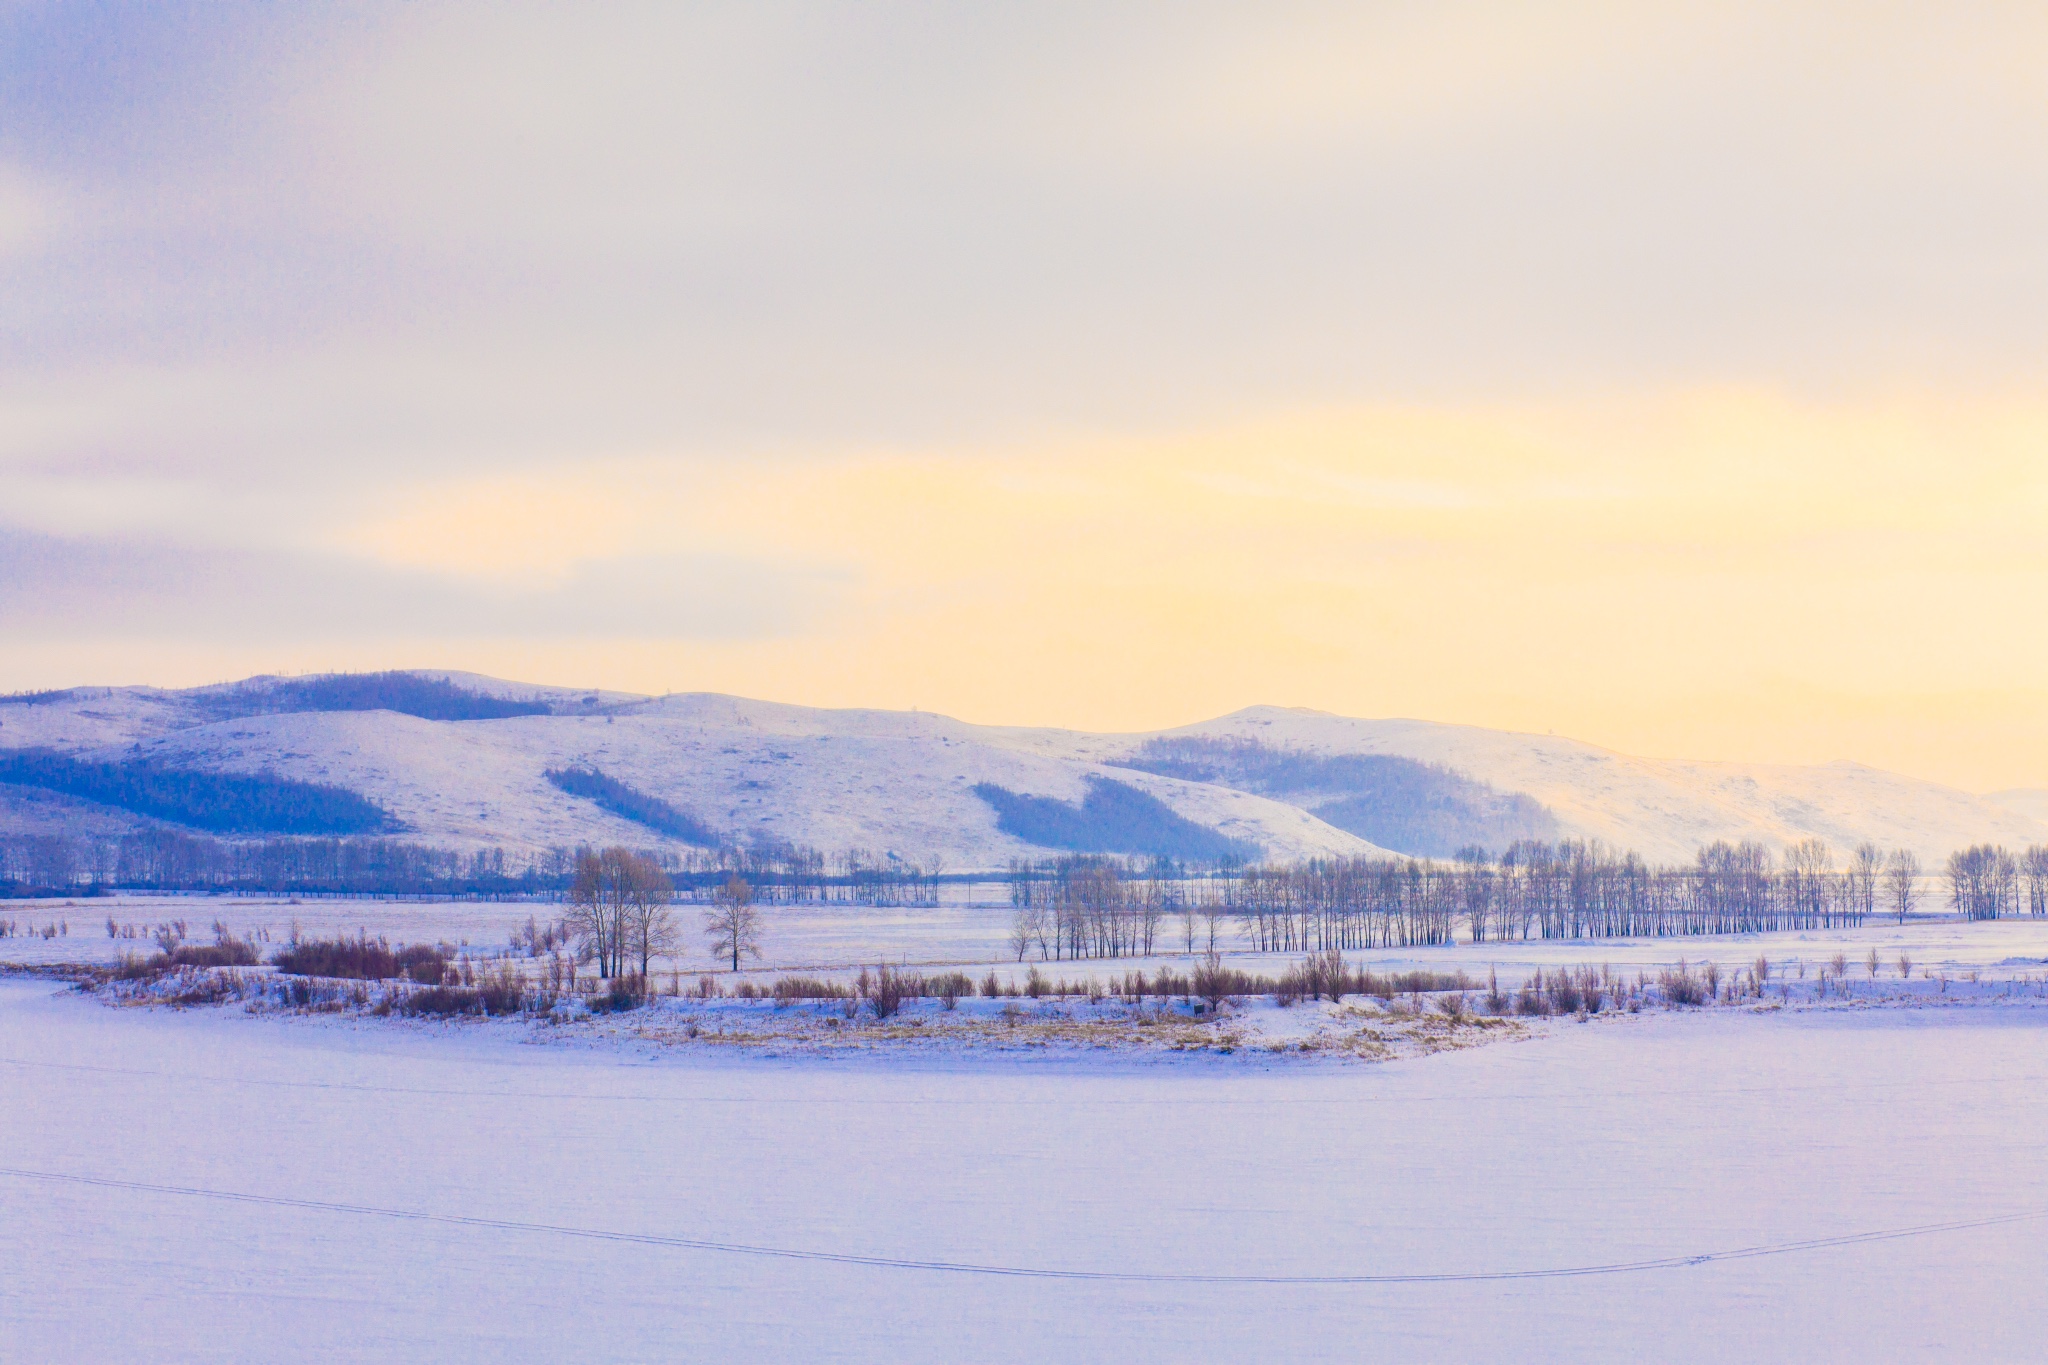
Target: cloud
{"points": [[53, 588], [1107, 363], [470, 234]]}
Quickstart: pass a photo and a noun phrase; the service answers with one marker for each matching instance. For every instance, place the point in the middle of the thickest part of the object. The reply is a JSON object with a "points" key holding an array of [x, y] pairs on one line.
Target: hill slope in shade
{"points": [[1400, 803], [1112, 818], [903, 782]]}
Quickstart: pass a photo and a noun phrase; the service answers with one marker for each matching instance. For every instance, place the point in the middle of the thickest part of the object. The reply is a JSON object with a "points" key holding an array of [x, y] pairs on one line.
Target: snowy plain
{"points": [[318, 1188], [970, 929], [1864, 1181]]}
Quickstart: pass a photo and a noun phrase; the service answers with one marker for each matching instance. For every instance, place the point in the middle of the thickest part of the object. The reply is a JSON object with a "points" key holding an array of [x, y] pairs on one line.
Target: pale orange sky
{"points": [[1668, 380]]}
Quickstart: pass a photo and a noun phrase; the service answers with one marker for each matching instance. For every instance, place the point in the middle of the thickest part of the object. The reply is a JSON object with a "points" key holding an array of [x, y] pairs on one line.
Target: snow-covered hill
{"points": [[1665, 808], [890, 783], [902, 782]]}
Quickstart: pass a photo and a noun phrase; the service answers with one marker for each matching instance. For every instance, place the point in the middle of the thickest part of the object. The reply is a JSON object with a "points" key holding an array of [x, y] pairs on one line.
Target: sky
{"points": [[1667, 376]]}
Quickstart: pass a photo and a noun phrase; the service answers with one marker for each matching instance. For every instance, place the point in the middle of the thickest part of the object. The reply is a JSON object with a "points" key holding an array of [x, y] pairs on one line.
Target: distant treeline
{"points": [[406, 693], [224, 803], [173, 860]]}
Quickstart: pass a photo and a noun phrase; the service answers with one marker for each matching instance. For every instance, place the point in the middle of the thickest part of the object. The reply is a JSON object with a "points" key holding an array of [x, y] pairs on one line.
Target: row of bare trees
{"points": [[1987, 882], [1091, 906], [785, 873], [1582, 889]]}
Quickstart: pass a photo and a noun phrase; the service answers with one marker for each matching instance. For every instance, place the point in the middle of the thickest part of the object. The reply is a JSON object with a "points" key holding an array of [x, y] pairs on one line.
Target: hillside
{"points": [[929, 789]]}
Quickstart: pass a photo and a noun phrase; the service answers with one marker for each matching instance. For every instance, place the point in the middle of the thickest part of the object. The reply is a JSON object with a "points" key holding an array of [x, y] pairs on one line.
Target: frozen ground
{"points": [[203, 1185]]}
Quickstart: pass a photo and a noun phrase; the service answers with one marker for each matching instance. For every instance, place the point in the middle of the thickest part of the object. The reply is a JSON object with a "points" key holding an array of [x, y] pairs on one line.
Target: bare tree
{"points": [[1983, 882], [2034, 865], [1809, 866], [1902, 881], [618, 908], [646, 923], [1866, 865], [595, 904], [732, 923], [1027, 926], [1215, 904]]}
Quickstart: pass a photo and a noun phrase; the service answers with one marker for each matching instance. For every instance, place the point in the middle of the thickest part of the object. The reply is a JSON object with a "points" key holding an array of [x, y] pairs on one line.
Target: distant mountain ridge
{"points": [[463, 761]]}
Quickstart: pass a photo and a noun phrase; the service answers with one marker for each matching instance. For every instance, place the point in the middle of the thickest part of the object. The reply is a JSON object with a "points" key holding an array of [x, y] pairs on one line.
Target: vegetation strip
{"points": [[224, 803], [1031, 1272]]}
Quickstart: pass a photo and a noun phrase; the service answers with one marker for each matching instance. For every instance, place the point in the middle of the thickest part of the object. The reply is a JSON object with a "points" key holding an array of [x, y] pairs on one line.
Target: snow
{"points": [[900, 782], [1654, 1139]]}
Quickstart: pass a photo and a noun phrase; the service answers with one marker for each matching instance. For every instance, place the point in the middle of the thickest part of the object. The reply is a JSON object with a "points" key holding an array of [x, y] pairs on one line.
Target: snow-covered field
{"points": [[970, 931], [204, 1185], [719, 1179]]}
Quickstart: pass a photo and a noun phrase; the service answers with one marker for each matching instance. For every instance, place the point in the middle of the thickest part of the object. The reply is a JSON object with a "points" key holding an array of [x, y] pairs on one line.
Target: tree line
{"points": [[162, 859], [1082, 906]]}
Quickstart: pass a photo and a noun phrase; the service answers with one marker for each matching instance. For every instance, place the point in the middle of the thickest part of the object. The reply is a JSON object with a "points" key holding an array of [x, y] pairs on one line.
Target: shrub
{"points": [[790, 988], [363, 959], [1211, 980], [441, 1002], [228, 952], [202, 988], [135, 967], [1288, 988], [502, 991], [1324, 974], [1564, 993], [886, 991], [950, 986], [424, 964], [624, 993], [1593, 991], [1681, 987]]}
